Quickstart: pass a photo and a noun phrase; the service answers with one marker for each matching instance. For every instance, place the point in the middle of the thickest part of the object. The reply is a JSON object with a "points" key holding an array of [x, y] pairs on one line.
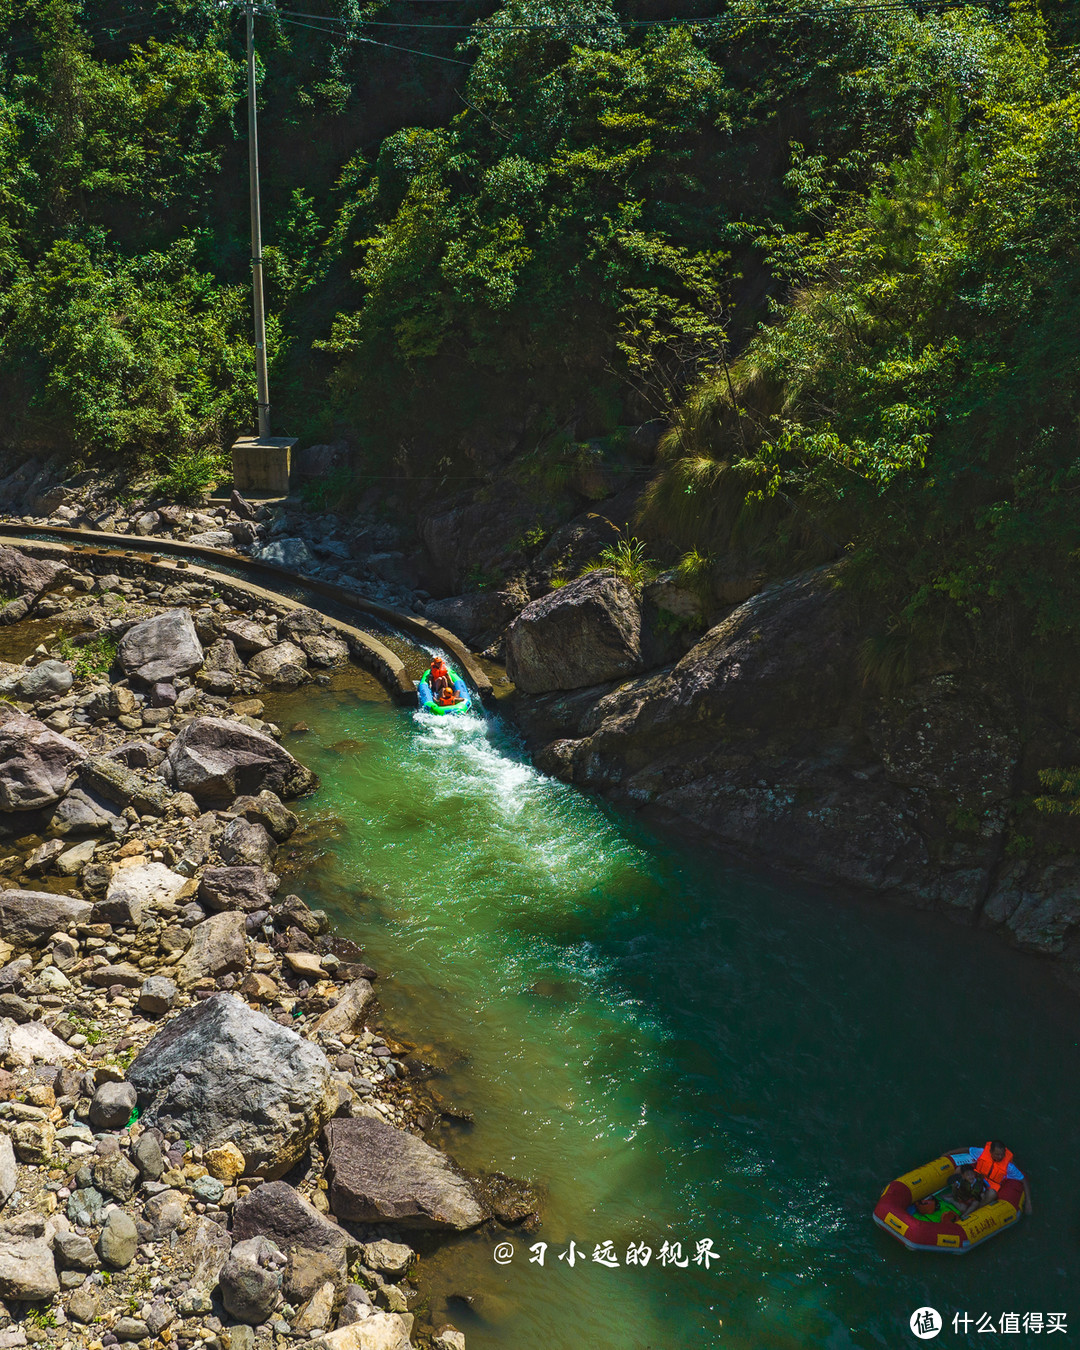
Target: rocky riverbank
{"points": [[204, 1138]]}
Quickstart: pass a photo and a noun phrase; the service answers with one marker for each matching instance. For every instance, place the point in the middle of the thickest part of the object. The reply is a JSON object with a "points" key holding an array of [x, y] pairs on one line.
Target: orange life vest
{"points": [[994, 1172]]}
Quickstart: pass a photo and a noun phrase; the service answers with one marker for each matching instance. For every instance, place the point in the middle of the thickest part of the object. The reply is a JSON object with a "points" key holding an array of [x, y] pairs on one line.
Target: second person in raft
{"points": [[441, 684], [981, 1174]]}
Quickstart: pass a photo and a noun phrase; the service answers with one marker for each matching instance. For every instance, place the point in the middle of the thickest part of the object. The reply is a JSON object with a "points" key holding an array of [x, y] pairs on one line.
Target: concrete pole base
{"points": [[261, 464]]}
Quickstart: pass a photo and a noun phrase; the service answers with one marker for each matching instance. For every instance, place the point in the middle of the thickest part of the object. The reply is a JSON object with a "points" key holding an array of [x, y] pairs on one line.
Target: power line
{"points": [[392, 46]]}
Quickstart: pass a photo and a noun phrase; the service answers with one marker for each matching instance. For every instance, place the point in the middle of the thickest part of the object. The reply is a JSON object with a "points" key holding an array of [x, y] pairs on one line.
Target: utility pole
{"points": [[263, 383]]}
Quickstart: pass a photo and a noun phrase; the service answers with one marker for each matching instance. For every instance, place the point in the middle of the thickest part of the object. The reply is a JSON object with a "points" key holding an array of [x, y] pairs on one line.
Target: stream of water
{"points": [[675, 1050]]}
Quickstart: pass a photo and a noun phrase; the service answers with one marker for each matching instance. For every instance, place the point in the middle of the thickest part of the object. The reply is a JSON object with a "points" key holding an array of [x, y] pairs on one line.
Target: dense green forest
{"points": [[831, 247]]}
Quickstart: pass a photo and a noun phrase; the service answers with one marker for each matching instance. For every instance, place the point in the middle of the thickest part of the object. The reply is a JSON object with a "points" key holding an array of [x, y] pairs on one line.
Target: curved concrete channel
{"points": [[60, 543]]}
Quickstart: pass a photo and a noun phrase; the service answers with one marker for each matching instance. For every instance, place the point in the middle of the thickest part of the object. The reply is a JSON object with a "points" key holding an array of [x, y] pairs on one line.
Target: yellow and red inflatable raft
{"points": [[945, 1231]]}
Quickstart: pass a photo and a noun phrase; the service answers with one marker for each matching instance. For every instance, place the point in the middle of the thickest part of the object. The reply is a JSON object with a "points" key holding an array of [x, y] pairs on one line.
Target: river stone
{"points": [[203, 1250], [9, 1172], [72, 861], [275, 1210], [37, 766], [222, 1071], [74, 1251], [124, 787], [83, 812], [291, 553], [247, 636], [318, 1312], [27, 1270], [34, 1141], [448, 1338], [267, 810], [389, 1258], [112, 1105], [133, 891], [46, 680], [378, 1331], [34, 1042], [347, 1015], [472, 616], [250, 1280], [246, 844], [28, 917], [147, 1157], [308, 1271], [22, 575], [212, 539], [380, 1173], [582, 634], [157, 995], [217, 761], [164, 1213], [119, 1240], [278, 665], [217, 948], [243, 888], [114, 1175], [162, 647], [84, 1207]]}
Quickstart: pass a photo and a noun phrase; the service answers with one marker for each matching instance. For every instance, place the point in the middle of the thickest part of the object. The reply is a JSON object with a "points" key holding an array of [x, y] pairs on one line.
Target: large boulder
{"points": [[31, 577], [475, 615], [282, 665], [27, 1269], [37, 766], [220, 1071], [216, 761], [379, 1173], [162, 647], [376, 1331], [112, 778], [134, 891], [246, 888], [277, 1211], [583, 634], [250, 1280], [28, 917]]}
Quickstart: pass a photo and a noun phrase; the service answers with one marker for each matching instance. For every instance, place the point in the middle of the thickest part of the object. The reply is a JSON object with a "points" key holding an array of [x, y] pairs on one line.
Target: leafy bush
{"points": [[95, 657], [192, 475], [627, 559]]}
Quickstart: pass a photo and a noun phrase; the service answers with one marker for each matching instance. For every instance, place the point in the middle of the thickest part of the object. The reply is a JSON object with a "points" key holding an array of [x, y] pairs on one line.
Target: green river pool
{"points": [[674, 1050]]}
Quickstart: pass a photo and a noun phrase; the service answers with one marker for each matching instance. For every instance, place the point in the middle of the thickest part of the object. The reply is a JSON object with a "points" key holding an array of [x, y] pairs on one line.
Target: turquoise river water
{"points": [[675, 1050]]}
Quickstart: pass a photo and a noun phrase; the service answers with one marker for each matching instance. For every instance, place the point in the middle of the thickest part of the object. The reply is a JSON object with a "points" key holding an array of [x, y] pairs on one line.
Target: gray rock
{"points": [[37, 766], [208, 1189], [281, 666], [221, 1071], [318, 1312], [247, 636], [42, 858], [112, 1105], [147, 1157], [325, 650], [121, 785], [275, 1210], [130, 1329], [217, 761], [119, 1240], [83, 811], [27, 1270], [243, 888], [473, 616], [134, 891], [73, 1251], [162, 647], [9, 1172], [164, 1213], [247, 844], [389, 1258], [46, 680], [356, 1307], [266, 810], [308, 1271], [157, 995], [203, 1251], [378, 1173], [22, 575], [82, 1306], [250, 1280], [84, 1207], [217, 948], [448, 1338], [28, 917], [347, 1015], [114, 1175], [583, 634], [212, 539], [161, 1315], [293, 554]]}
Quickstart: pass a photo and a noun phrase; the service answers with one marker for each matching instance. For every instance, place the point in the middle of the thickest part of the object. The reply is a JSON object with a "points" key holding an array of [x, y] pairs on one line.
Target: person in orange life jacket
{"points": [[993, 1164], [441, 684]]}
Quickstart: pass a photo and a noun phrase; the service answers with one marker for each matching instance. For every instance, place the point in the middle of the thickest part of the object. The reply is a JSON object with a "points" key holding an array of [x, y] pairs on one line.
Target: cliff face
{"points": [[764, 740]]}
